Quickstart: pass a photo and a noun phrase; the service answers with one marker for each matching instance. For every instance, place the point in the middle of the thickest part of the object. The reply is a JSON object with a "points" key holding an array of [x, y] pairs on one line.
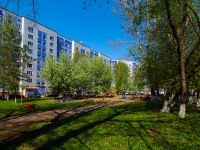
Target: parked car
{"points": [[13, 95], [33, 96], [53, 95], [127, 93]]}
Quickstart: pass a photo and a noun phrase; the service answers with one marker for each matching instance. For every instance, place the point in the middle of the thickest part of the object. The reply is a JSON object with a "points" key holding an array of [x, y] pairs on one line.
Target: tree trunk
{"points": [[3, 91], [183, 80], [165, 107], [198, 97], [153, 93], [170, 102], [158, 93]]}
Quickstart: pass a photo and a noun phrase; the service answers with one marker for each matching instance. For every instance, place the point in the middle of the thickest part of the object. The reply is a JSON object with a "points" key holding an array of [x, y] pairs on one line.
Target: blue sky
{"points": [[94, 27]]}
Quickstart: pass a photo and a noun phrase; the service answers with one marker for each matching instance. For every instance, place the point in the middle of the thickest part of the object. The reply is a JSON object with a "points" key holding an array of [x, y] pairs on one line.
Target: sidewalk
{"points": [[12, 127]]}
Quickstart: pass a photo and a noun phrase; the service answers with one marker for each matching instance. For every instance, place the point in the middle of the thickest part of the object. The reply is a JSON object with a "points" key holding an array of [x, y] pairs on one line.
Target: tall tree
{"points": [[58, 73], [122, 74], [81, 74], [13, 56], [101, 74], [183, 21]]}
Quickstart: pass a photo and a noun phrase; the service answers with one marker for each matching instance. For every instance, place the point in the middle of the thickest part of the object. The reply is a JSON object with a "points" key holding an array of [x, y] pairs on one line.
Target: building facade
{"points": [[43, 41]]}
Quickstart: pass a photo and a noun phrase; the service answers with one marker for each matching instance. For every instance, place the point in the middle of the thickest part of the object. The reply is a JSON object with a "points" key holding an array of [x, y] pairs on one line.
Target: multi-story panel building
{"points": [[43, 41], [83, 49], [64, 44]]}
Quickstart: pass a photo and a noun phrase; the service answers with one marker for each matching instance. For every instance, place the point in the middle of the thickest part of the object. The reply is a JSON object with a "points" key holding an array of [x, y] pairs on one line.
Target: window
{"points": [[30, 29], [44, 36], [30, 43], [30, 51], [30, 36], [52, 38], [82, 51], [30, 65], [39, 33], [51, 50], [29, 73], [29, 80], [51, 44]]}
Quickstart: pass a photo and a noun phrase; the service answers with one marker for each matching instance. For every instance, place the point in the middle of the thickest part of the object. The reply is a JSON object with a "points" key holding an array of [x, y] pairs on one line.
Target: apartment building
{"points": [[131, 65], [43, 41], [83, 49]]}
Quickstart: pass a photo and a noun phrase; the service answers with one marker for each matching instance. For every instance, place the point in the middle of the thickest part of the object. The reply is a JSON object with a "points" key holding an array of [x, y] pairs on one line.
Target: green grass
{"points": [[136, 126], [10, 108]]}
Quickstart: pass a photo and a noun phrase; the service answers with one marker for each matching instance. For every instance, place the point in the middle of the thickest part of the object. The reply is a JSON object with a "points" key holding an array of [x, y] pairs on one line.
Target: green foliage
{"points": [[122, 75], [13, 57], [65, 75], [57, 73], [101, 74], [159, 26]]}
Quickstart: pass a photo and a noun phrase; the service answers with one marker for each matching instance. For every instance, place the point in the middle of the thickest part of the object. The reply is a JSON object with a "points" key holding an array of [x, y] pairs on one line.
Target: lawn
{"points": [[10, 108], [139, 126]]}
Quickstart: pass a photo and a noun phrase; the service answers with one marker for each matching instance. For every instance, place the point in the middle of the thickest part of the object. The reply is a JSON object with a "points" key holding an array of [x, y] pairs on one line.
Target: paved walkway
{"points": [[12, 127]]}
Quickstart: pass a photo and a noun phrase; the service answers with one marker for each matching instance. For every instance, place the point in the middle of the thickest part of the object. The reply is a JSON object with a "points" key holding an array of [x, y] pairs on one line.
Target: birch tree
{"points": [[183, 22]]}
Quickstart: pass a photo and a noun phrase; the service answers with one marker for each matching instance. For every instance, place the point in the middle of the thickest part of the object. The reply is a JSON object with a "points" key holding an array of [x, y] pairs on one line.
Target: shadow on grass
{"points": [[25, 137], [56, 122]]}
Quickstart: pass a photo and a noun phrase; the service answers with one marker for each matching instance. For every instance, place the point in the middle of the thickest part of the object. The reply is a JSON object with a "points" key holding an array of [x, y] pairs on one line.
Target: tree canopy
{"points": [[83, 72], [121, 73]]}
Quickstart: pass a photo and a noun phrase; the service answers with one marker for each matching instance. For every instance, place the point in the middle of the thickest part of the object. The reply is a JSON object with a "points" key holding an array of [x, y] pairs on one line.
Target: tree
{"points": [[82, 73], [182, 20], [101, 74], [121, 72], [13, 57], [58, 73]]}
